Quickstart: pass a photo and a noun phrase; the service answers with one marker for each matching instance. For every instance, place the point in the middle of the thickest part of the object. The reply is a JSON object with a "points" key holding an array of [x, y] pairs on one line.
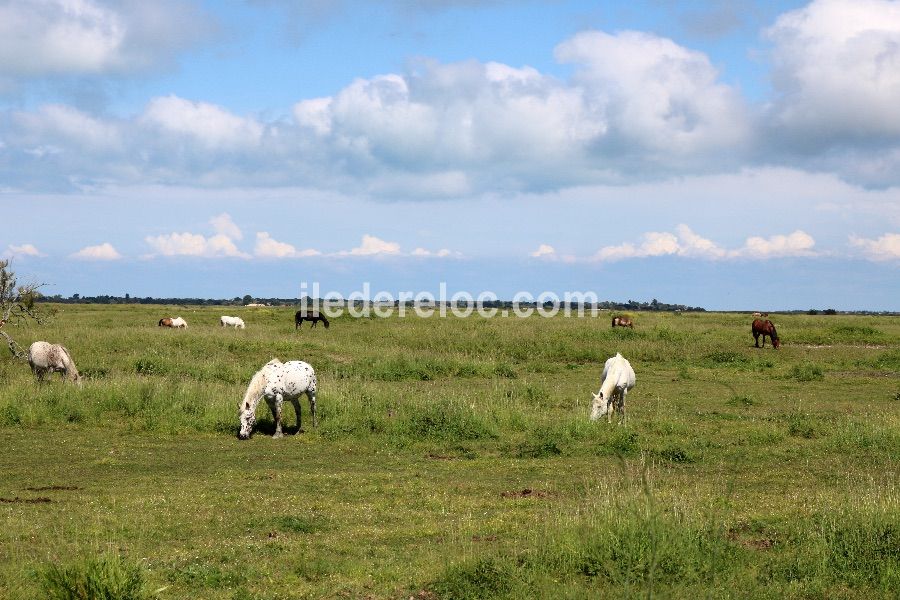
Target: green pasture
{"points": [[453, 459]]}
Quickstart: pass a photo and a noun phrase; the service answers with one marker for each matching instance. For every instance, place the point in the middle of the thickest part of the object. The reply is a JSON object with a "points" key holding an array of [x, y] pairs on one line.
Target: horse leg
{"points": [[276, 404], [312, 406], [624, 419], [756, 339], [296, 402]]}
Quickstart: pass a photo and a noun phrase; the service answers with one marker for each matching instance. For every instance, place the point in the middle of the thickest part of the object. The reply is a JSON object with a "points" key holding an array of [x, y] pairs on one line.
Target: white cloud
{"points": [[193, 244], [798, 243], [267, 247], [48, 37], [23, 250], [373, 246], [837, 68], [210, 125], [884, 248], [544, 251], [104, 251], [688, 244], [442, 253], [223, 224]]}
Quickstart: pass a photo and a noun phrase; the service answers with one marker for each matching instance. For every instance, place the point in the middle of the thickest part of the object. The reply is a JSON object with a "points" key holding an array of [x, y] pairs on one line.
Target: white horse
{"points": [[618, 378], [236, 322], [45, 358], [277, 382], [179, 323]]}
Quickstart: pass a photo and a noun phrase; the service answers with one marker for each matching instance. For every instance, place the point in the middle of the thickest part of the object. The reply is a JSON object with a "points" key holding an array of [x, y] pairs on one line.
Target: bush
{"points": [[484, 578], [105, 578]]}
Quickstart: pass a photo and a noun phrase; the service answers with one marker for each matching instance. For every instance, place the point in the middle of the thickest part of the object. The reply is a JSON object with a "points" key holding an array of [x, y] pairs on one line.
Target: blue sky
{"points": [[725, 154]]}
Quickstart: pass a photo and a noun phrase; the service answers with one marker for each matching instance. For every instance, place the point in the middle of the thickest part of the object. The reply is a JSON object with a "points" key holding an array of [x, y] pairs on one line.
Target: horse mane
{"points": [[255, 390], [71, 370]]}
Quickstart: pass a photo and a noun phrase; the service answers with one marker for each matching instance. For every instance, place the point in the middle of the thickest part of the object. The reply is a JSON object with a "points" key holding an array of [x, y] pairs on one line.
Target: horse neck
{"points": [[609, 384], [255, 390]]}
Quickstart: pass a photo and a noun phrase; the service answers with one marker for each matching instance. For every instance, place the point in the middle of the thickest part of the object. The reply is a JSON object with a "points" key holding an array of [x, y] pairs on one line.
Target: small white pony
{"points": [[277, 382], [179, 323], [45, 358], [618, 378], [236, 322]]}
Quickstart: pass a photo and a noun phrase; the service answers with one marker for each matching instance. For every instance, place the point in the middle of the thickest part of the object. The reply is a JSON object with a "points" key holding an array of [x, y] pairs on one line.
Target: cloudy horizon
{"points": [[718, 154]]}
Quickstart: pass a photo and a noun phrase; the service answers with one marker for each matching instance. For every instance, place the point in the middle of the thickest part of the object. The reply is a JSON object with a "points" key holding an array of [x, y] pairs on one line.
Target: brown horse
{"points": [[165, 322], [313, 317], [765, 328], [622, 322]]}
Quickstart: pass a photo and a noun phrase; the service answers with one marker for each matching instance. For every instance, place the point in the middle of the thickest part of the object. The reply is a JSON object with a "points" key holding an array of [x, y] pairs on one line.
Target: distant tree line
{"points": [[633, 305]]}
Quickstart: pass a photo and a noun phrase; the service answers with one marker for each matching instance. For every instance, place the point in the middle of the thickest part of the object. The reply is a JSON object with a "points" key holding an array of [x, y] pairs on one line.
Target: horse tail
{"points": [[254, 390]]}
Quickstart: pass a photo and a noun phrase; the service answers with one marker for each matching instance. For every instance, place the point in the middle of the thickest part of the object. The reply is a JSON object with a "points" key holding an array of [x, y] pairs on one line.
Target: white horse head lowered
{"points": [[236, 322], [618, 378], [45, 358], [277, 382]]}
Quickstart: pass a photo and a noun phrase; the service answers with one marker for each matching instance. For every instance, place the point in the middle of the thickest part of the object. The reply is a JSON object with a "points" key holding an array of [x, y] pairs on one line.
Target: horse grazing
{"points": [[236, 322], [618, 378], [765, 328], [622, 322], [314, 317], [277, 382], [176, 323], [45, 358]]}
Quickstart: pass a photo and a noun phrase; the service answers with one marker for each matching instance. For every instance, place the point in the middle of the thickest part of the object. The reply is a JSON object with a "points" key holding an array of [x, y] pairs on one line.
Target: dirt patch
{"points": [[744, 537], [441, 457], [17, 500], [526, 493], [53, 488]]}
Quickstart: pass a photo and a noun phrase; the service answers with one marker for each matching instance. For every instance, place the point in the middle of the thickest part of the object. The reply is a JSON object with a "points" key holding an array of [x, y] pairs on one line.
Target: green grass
{"points": [[454, 459]]}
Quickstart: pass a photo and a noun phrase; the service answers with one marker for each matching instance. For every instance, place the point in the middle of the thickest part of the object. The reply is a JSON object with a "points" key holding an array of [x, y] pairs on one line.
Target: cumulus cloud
{"points": [[193, 244], [837, 68], [207, 124], [47, 37], [104, 251], [688, 244], [223, 224], [373, 246], [544, 251], [268, 247], [13, 251], [884, 248], [798, 243]]}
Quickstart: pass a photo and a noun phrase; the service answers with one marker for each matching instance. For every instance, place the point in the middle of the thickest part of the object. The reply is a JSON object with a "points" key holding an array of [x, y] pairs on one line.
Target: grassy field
{"points": [[454, 459]]}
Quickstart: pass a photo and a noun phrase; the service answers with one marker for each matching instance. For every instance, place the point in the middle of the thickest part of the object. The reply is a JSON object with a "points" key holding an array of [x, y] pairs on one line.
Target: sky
{"points": [[724, 154]]}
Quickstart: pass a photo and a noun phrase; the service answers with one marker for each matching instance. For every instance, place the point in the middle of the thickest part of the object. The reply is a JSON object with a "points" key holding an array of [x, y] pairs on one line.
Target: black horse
{"points": [[313, 317]]}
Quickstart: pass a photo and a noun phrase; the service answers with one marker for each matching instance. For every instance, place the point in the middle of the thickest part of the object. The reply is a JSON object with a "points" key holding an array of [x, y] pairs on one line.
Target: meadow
{"points": [[454, 458]]}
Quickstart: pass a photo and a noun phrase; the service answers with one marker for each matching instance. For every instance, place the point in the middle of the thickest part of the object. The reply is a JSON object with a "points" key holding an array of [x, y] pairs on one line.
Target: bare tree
{"points": [[16, 306]]}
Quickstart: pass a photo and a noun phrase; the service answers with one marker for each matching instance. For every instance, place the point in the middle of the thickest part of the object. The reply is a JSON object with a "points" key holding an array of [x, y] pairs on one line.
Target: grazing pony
{"points": [[765, 328], [622, 322], [176, 323], [618, 378], [314, 317], [277, 382], [45, 358], [236, 322]]}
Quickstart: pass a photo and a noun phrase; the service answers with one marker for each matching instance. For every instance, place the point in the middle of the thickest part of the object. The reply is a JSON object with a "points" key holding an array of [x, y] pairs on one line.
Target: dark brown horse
{"points": [[313, 317], [765, 327], [622, 322]]}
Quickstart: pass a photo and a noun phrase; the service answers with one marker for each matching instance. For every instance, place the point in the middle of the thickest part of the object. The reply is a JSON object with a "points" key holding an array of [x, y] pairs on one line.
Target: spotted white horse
{"points": [[46, 358], [277, 382], [618, 378], [236, 322]]}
